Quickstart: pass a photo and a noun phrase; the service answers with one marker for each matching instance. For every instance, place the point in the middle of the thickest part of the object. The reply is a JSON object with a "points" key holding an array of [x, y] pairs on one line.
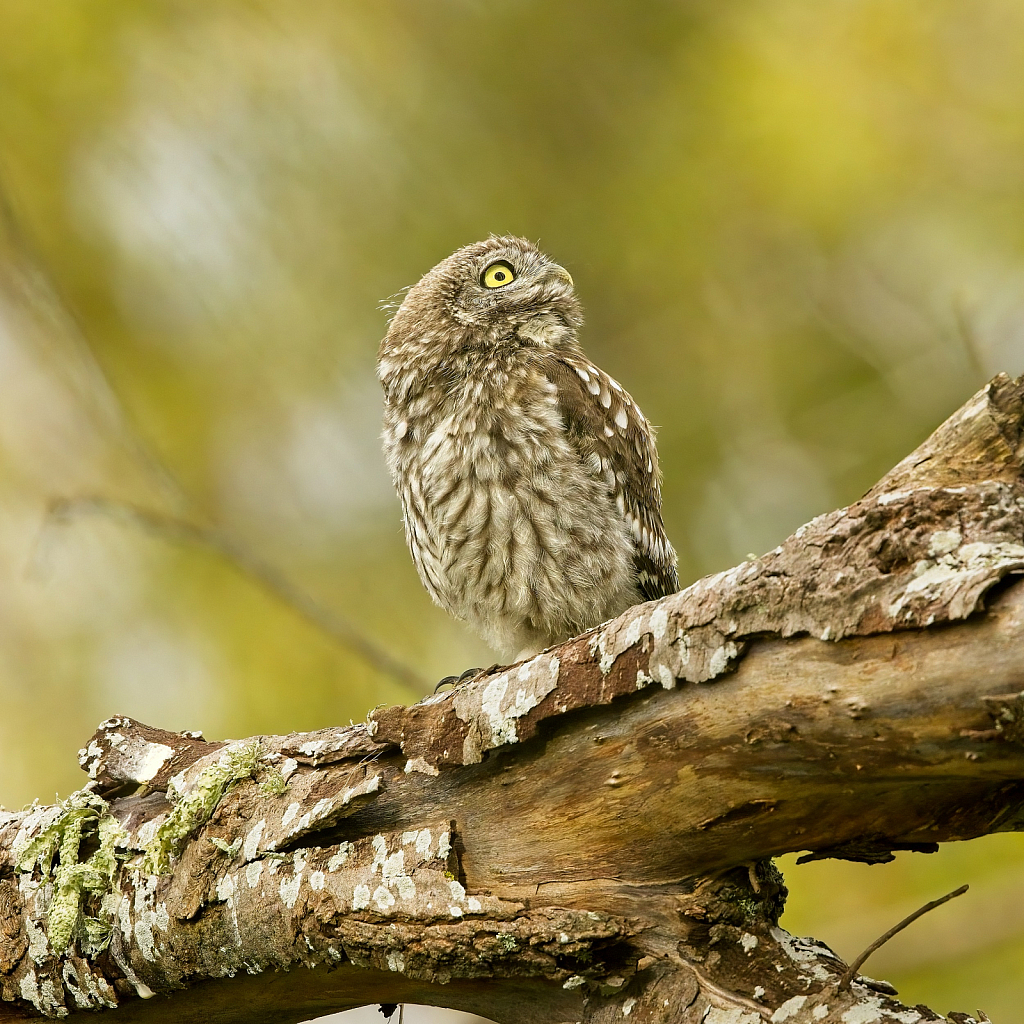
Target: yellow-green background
{"points": [[797, 227]]}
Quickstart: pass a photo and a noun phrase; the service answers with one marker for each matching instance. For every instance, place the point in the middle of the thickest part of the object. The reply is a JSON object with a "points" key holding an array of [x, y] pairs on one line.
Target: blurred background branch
{"points": [[37, 288], [65, 510]]}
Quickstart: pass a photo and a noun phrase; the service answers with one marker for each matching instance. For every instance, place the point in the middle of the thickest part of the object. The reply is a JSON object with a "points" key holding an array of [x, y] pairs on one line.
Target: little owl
{"points": [[528, 477]]}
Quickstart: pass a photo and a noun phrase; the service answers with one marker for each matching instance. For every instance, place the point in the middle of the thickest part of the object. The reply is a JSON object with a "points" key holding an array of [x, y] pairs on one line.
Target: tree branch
{"points": [[571, 838]]}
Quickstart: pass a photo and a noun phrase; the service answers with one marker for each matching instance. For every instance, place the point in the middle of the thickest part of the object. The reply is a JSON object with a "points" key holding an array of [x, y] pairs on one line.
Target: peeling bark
{"points": [[585, 836]]}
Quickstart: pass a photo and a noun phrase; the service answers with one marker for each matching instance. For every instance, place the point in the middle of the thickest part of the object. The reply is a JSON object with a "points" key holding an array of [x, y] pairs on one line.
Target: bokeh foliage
{"points": [[798, 230]]}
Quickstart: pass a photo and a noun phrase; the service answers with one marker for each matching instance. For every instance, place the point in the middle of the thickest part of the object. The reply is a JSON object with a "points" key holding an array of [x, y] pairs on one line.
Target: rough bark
{"points": [[585, 836]]}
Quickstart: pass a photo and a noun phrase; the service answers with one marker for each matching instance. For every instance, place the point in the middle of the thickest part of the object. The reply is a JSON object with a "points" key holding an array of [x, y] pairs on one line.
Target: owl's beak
{"points": [[557, 273]]}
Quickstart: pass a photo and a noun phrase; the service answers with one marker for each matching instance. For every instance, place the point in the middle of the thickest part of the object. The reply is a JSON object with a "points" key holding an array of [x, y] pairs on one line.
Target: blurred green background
{"points": [[797, 228]]}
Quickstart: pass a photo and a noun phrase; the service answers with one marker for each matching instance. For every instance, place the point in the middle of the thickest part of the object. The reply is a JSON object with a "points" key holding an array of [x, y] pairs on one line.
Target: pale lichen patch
{"points": [[423, 839], [380, 852], [732, 1015], [38, 946], [659, 623], [666, 677], [29, 988], [866, 1011], [252, 839], [957, 579], [393, 866], [365, 788], [148, 829], [146, 759], [444, 845], [225, 888], [420, 764], [253, 871], [341, 857], [383, 898], [143, 931], [289, 889], [90, 758], [90, 991], [311, 748], [788, 1008], [942, 542], [617, 638], [721, 658], [492, 714], [803, 952]]}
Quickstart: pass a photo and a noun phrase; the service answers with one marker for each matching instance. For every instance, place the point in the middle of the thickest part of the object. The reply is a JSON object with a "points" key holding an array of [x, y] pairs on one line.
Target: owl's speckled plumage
{"points": [[528, 478]]}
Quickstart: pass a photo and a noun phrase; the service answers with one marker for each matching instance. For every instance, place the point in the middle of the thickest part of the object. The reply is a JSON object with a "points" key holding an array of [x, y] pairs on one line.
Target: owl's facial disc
{"points": [[501, 273], [516, 289], [500, 287], [514, 282]]}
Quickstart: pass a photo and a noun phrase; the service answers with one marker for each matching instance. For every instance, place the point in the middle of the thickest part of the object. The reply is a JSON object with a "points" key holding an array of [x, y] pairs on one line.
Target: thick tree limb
{"points": [[583, 837]]}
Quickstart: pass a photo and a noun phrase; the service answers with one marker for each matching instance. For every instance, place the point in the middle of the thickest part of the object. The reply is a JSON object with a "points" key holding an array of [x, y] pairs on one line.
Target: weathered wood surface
{"points": [[583, 836]]}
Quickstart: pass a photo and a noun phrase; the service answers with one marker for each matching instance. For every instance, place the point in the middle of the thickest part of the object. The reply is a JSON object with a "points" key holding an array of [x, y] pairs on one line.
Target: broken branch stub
{"points": [[582, 837]]}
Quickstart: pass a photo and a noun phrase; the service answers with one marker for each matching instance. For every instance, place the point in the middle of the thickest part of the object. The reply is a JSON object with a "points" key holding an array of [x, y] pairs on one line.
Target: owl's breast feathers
{"points": [[615, 444], [531, 504]]}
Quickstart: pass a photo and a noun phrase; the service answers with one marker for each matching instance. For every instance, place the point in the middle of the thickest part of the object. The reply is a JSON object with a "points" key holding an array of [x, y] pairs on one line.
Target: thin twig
{"points": [[851, 971], [271, 579]]}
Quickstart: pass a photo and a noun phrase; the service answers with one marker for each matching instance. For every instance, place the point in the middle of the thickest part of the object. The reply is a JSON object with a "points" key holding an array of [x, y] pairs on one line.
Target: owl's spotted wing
{"points": [[616, 444]]}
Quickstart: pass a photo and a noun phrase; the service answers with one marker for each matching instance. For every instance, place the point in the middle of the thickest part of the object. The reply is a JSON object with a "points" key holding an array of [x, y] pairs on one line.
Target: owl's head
{"points": [[492, 292]]}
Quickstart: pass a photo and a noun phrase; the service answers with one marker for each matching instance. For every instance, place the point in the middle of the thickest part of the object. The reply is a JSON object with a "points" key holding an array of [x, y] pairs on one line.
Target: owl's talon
{"points": [[470, 673]]}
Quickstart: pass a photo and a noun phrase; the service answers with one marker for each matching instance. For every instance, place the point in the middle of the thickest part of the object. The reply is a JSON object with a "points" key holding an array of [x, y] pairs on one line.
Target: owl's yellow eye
{"points": [[497, 275]]}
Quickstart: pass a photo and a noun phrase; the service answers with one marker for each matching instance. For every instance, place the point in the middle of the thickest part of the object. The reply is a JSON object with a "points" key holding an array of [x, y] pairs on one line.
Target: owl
{"points": [[528, 477]]}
